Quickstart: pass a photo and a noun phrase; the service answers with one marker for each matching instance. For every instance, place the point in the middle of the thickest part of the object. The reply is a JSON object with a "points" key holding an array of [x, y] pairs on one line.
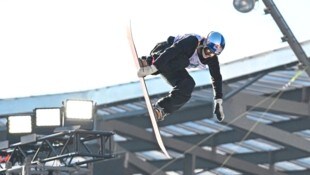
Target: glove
{"points": [[218, 109], [148, 70]]}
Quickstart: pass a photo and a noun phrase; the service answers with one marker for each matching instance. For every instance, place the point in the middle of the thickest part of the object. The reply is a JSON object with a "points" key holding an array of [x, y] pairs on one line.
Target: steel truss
{"points": [[64, 147]]}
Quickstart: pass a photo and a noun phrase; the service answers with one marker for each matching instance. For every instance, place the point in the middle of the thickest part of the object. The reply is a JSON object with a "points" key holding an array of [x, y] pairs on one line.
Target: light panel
{"points": [[19, 124], [79, 109], [48, 116]]}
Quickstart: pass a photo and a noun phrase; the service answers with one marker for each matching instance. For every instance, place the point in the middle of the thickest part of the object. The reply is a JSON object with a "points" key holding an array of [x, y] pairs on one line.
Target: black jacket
{"points": [[172, 55]]}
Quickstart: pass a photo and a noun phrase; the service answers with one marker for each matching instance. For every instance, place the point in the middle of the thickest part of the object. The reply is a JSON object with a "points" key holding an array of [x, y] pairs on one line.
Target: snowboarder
{"points": [[171, 58]]}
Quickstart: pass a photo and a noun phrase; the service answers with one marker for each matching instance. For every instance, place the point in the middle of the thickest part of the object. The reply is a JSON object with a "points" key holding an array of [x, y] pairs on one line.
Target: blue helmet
{"points": [[215, 42]]}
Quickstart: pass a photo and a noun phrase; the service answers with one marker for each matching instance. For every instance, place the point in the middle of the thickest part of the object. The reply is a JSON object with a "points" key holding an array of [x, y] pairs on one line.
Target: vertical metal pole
{"points": [[271, 161], [288, 34], [77, 141], [189, 164], [102, 145], [8, 165], [26, 168]]}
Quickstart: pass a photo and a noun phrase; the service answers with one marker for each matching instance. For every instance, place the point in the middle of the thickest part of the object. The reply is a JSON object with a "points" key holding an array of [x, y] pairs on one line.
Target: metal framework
{"points": [[63, 147], [205, 151]]}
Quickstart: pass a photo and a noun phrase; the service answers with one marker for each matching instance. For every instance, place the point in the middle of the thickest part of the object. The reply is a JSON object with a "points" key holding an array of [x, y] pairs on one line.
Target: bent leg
{"points": [[183, 85]]}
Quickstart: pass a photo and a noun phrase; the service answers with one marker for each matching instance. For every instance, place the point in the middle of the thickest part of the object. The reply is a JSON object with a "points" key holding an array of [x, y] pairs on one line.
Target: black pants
{"points": [[172, 69], [183, 85]]}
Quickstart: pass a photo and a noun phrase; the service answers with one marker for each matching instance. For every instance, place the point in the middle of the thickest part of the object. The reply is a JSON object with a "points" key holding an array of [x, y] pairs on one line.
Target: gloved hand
{"points": [[143, 61], [218, 109], [148, 70]]}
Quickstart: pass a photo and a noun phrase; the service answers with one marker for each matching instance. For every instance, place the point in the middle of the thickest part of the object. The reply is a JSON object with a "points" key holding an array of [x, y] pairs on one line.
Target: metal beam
{"points": [[288, 153], [299, 172], [181, 146], [246, 84], [131, 159], [255, 158], [144, 166], [201, 109], [189, 164], [293, 125], [178, 164], [285, 154], [281, 105], [288, 34], [236, 108]]}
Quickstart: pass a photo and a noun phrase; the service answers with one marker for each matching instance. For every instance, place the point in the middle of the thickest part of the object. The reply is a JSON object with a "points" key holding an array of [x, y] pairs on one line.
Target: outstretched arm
{"points": [[216, 77]]}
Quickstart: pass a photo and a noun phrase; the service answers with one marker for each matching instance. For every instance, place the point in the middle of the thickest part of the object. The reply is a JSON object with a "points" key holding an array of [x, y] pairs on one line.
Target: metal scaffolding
{"points": [[71, 151]]}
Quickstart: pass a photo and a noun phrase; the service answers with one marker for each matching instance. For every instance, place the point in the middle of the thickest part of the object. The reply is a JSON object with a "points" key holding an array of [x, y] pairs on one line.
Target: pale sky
{"points": [[58, 46]]}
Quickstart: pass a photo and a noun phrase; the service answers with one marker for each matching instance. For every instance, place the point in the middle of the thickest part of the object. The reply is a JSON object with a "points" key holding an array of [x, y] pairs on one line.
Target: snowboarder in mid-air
{"points": [[171, 58]]}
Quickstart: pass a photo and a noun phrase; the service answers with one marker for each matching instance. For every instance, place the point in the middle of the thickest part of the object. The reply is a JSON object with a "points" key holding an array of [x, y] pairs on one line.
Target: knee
{"points": [[187, 85]]}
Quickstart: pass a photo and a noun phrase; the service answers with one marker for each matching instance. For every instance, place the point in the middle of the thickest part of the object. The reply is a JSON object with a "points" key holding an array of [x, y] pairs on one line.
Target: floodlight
{"points": [[19, 124], [79, 112], [244, 6], [47, 117], [79, 109]]}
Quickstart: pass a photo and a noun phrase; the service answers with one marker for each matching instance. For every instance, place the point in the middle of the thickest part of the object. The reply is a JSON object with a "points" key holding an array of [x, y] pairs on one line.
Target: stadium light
{"points": [[79, 112], [79, 109], [19, 124], [244, 6], [45, 117]]}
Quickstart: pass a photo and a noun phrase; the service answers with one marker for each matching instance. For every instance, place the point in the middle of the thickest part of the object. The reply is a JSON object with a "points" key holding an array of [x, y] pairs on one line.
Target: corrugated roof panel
{"points": [[305, 134], [261, 144], [269, 86], [133, 106], [109, 110], [151, 155], [266, 117], [225, 171], [198, 128], [252, 91], [263, 89], [140, 104], [214, 124], [102, 112], [288, 166], [261, 120], [274, 82], [305, 162], [205, 173], [172, 173], [117, 109], [119, 138], [233, 148], [162, 132], [177, 131], [125, 107]]}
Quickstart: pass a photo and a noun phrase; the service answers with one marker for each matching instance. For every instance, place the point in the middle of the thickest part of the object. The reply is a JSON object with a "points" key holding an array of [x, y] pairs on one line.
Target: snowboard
{"points": [[146, 93]]}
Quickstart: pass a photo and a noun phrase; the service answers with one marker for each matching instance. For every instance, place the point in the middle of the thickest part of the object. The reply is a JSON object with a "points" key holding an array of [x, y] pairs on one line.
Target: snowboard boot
{"points": [[159, 113], [143, 62]]}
